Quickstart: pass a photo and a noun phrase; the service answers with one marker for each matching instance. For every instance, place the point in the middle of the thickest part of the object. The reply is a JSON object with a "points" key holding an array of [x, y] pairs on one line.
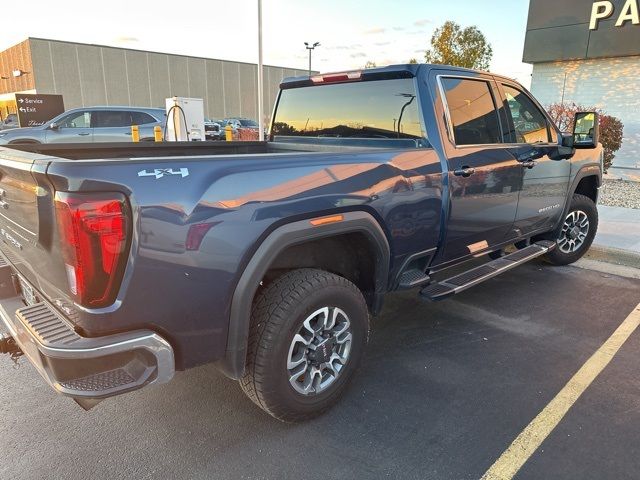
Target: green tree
{"points": [[453, 45], [370, 64], [413, 60]]}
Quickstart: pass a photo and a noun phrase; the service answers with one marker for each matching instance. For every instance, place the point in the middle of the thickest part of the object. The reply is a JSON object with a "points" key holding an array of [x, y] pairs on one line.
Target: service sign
{"points": [[35, 109]]}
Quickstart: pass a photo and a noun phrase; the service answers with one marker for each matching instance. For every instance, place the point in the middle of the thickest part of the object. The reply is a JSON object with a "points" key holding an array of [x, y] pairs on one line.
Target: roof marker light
{"points": [[337, 77]]}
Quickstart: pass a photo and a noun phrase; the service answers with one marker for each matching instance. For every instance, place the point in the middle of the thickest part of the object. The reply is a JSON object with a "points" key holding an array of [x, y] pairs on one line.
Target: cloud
{"points": [[398, 29], [375, 30], [358, 55], [422, 22], [345, 47], [125, 39], [382, 44]]}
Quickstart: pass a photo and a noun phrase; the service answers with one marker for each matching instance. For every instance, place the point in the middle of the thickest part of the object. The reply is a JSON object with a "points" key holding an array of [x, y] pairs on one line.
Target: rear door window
{"points": [[141, 118], [472, 111], [111, 119]]}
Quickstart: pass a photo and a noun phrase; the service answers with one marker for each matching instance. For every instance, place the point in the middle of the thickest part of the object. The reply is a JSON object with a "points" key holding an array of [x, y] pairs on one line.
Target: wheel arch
{"points": [[24, 141], [270, 250], [586, 182]]}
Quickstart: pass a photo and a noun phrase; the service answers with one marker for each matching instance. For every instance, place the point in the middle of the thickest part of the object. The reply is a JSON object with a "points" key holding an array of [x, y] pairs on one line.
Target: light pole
{"points": [[311, 48], [260, 87]]}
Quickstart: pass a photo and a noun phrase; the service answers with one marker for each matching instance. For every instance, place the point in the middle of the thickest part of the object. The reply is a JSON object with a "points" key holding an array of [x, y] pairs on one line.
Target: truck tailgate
{"points": [[18, 206], [26, 217]]}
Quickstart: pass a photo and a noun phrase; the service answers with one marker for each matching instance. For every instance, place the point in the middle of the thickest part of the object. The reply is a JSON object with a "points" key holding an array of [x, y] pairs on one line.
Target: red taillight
{"points": [[93, 236], [337, 77]]}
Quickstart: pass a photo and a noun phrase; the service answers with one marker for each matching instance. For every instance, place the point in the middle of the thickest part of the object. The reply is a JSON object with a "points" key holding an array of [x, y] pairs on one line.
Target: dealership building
{"points": [[588, 53], [90, 75]]}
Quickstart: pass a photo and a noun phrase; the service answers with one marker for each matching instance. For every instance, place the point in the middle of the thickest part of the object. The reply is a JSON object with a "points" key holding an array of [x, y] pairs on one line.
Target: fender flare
{"points": [[233, 364], [589, 170]]}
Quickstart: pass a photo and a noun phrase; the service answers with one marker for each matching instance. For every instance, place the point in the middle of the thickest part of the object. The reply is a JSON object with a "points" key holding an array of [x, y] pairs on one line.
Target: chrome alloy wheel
{"points": [[574, 232], [319, 351]]}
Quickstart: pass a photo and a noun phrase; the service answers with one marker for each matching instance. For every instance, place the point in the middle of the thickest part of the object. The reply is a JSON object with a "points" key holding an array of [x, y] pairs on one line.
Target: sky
{"points": [[351, 32]]}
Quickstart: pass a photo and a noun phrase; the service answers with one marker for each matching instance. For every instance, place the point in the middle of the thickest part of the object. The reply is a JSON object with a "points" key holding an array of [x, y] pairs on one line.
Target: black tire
{"points": [[277, 316], [579, 203]]}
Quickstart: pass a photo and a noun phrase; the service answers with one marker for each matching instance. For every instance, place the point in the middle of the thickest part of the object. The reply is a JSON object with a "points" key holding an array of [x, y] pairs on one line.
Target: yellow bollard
{"points": [[157, 133], [135, 133], [228, 133]]}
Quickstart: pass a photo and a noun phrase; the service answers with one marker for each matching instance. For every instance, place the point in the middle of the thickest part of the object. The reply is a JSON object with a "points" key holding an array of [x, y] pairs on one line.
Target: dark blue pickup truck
{"points": [[124, 263]]}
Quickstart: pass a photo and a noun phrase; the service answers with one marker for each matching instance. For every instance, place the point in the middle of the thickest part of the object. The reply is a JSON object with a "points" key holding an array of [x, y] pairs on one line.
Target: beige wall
{"points": [[88, 75], [611, 84]]}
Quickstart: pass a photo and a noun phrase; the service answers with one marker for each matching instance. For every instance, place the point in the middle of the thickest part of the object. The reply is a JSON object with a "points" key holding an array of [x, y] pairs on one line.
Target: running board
{"points": [[451, 286]]}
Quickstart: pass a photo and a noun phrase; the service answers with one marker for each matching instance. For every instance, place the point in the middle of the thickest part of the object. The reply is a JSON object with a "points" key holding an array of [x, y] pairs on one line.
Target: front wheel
{"points": [[309, 329], [578, 231]]}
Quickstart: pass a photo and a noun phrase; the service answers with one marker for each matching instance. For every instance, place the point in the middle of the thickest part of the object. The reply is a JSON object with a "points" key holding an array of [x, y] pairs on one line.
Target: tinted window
{"points": [[530, 124], [248, 123], [373, 109], [77, 120], [111, 119], [472, 111], [141, 118]]}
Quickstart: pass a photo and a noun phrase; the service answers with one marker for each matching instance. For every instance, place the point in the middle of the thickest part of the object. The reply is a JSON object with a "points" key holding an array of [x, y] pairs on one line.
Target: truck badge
{"points": [[161, 172]]}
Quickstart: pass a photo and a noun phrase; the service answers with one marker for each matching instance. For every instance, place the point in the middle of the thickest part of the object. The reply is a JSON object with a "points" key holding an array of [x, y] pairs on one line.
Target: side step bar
{"points": [[451, 286]]}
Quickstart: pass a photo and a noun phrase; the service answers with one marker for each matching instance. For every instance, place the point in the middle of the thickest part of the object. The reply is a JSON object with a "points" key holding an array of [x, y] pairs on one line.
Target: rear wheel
{"points": [[308, 334], [577, 233]]}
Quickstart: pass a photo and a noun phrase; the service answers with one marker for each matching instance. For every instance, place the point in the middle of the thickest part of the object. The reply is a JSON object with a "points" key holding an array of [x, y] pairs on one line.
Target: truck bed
{"points": [[87, 151]]}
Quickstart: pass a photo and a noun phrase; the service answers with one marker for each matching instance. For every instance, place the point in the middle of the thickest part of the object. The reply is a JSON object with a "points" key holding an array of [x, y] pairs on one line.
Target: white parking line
{"points": [[530, 439]]}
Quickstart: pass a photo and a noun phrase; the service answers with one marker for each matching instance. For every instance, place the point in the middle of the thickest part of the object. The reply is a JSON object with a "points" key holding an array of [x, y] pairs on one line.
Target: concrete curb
{"points": [[614, 255]]}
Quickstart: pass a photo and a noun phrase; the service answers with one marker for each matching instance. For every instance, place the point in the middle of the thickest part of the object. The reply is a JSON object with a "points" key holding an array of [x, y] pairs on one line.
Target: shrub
{"points": [[611, 128]]}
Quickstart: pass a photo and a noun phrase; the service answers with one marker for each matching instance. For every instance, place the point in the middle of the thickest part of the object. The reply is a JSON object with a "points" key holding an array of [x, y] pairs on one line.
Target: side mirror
{"points": [[586, 131], [54, 126], [567, 140]]}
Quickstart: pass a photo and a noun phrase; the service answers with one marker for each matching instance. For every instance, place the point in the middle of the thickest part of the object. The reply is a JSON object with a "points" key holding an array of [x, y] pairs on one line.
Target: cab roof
{"points": [[405, 70]]}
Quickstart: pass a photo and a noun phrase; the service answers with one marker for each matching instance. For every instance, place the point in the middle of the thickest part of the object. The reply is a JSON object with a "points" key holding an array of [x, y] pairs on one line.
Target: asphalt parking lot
{"points": [[444, 391]]}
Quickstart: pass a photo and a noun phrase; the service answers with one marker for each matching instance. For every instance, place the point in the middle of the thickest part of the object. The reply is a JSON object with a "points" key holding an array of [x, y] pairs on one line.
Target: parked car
{"points": [[121, 265], [214, 129], [90, 124], [237, 123], [11, 121]]}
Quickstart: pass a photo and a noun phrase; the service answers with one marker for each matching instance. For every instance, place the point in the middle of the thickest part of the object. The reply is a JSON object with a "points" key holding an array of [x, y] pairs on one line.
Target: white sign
{"points": [[605, 9]]}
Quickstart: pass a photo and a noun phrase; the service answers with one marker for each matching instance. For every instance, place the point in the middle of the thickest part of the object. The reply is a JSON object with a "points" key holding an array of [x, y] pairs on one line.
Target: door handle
{"points": [[529, 164], [84, 134], [464, 172]]}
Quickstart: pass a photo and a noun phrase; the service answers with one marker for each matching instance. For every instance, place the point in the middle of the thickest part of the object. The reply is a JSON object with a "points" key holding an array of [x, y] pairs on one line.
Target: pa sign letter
{"points": [[603, 10]]}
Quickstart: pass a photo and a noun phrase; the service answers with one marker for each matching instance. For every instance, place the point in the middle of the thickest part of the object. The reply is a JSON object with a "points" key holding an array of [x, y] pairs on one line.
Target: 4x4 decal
{"points": [[161, 172]]}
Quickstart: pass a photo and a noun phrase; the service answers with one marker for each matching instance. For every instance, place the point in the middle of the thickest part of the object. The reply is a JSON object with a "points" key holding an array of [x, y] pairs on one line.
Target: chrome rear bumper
{"points": [[82, 367]]}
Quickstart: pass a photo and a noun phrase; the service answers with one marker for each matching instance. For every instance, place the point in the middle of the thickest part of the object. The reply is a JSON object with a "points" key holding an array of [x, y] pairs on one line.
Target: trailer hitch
{"points": [[9, 346]]}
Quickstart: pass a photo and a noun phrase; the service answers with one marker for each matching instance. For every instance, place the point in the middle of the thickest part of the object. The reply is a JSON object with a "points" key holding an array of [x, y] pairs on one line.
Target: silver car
{"points": [[10, 122], [90, 124]]}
